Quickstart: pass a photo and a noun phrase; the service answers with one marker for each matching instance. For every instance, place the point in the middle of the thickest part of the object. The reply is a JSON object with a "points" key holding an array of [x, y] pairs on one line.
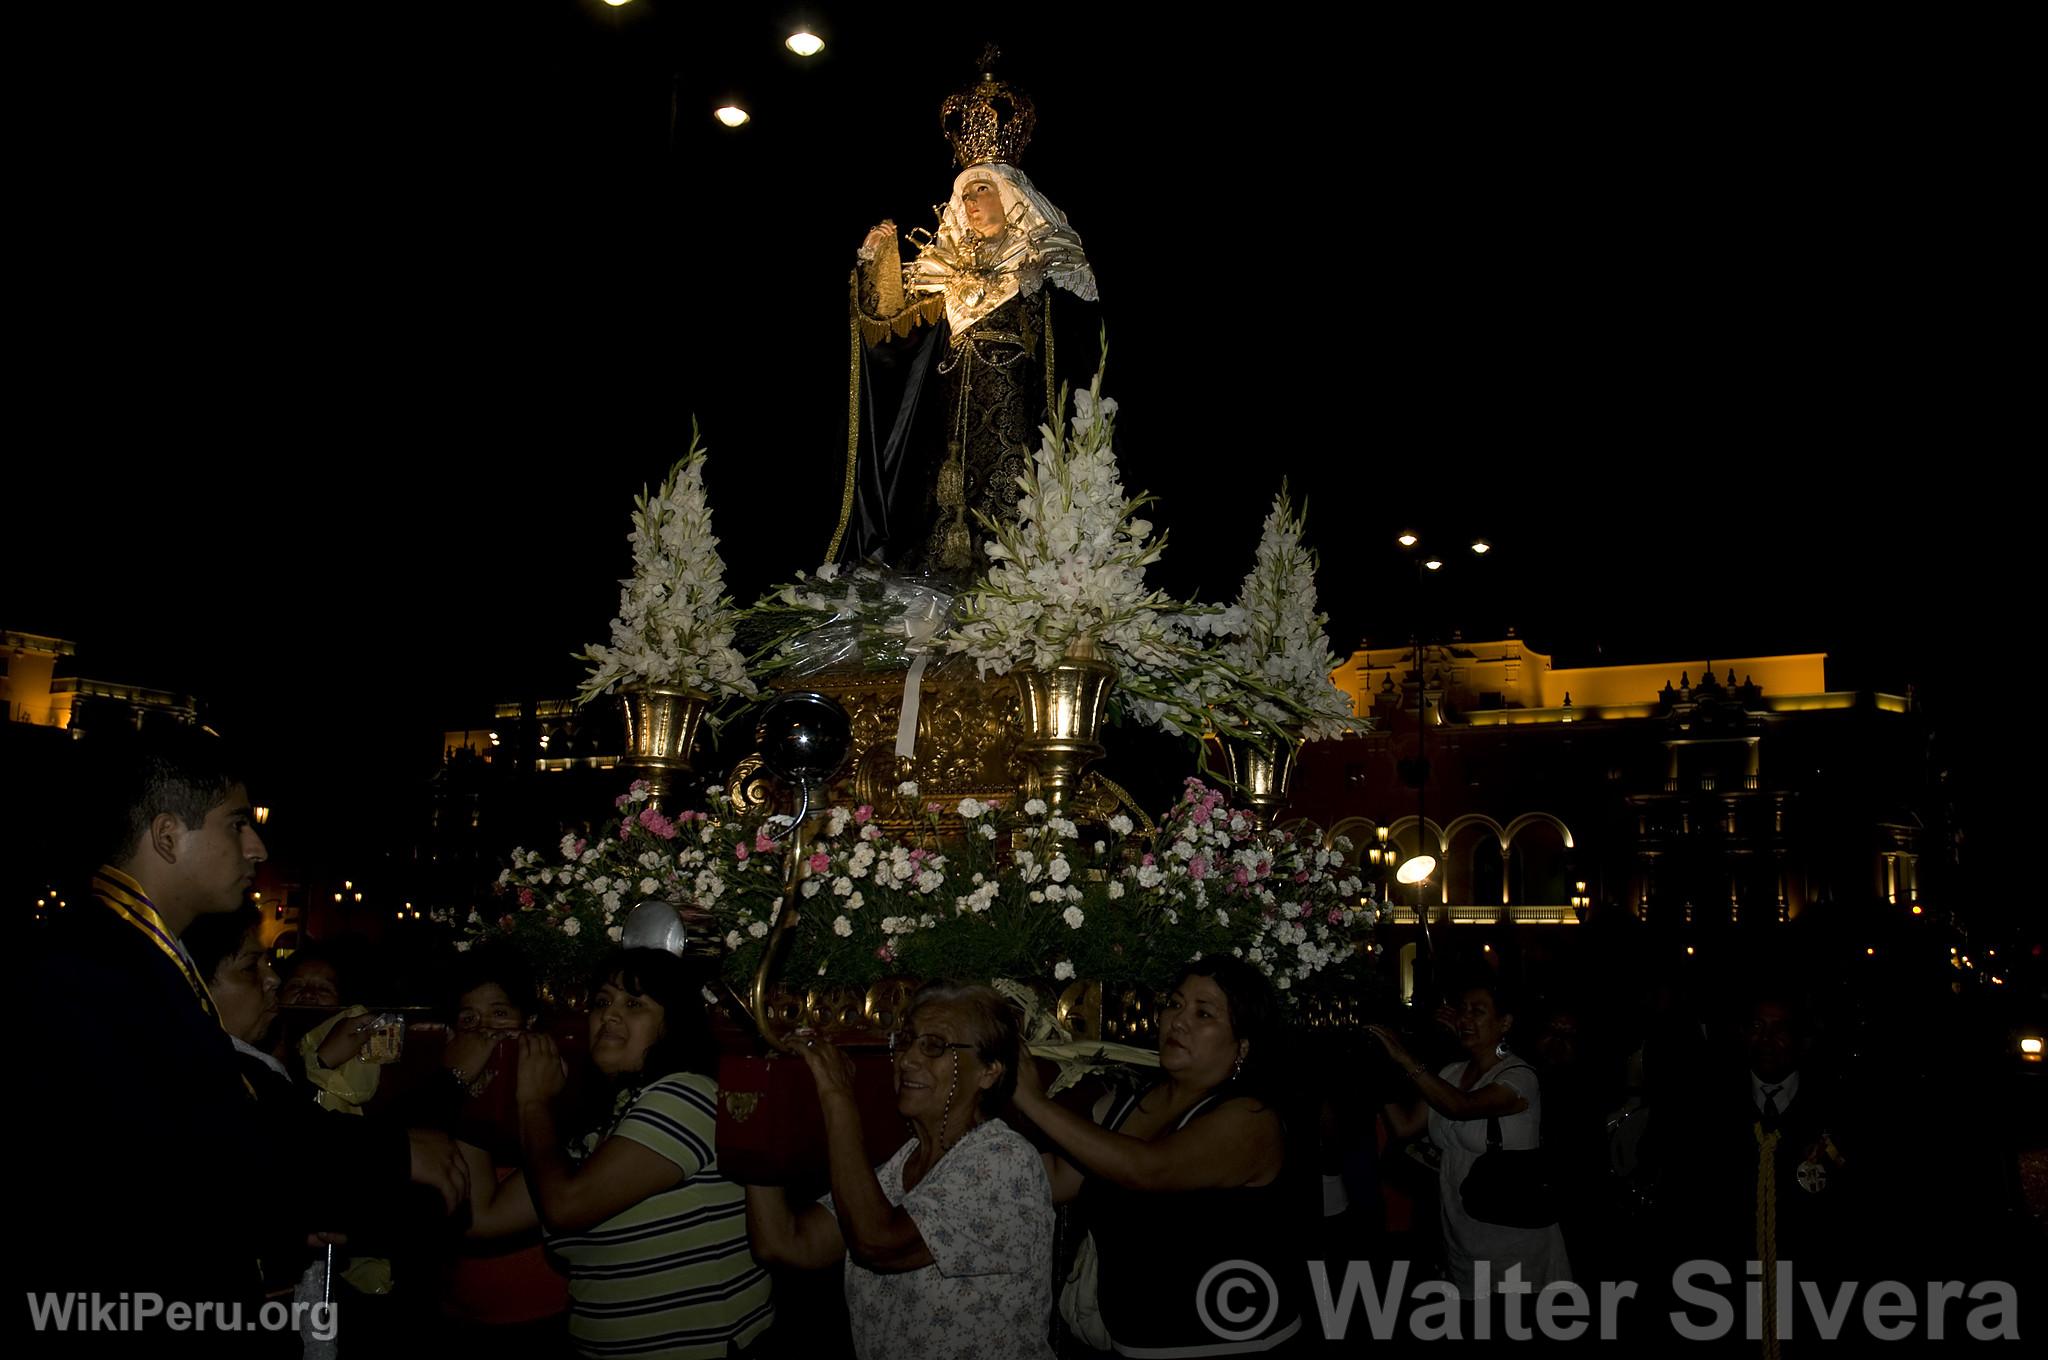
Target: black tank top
{"points": [[1155, 1250]]}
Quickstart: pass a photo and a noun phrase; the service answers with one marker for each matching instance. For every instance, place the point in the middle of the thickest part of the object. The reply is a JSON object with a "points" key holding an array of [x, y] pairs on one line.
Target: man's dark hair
{"points": [[138, 776]]}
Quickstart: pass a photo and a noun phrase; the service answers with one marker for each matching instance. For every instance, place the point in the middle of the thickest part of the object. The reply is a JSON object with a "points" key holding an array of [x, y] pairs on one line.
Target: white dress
{"points": [[1538, 1251], [985, 1213]]}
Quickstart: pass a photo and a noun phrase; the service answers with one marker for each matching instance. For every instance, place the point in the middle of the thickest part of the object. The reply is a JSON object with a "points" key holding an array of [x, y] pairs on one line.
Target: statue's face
{"points": [[984, 208]]}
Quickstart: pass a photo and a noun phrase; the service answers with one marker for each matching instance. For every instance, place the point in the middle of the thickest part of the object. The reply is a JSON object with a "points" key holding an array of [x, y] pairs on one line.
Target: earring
{"points": [[1238, 1070], [1500, 1050], [946, 1116]]}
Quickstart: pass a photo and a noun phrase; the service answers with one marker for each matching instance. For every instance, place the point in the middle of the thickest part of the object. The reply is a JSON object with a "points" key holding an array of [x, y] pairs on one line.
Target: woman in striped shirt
{"points": [[655, 1238]]}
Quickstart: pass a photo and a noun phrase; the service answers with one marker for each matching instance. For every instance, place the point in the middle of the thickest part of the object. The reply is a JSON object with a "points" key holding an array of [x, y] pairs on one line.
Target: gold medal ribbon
{"points": [[125, 897]]}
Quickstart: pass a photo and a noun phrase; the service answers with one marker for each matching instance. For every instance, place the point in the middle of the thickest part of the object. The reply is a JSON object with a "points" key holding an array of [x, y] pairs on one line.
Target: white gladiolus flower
{"points": [[571, 926], [1062, 971], [842, 887], [674, 625], [1059, 870], [971, 808], [757, 928], [841, 927], [732, 939], [648, 887], [811, 886], [1120, 824], [853, 903], [1073, 917], [1116, 888], [1035, 808]]}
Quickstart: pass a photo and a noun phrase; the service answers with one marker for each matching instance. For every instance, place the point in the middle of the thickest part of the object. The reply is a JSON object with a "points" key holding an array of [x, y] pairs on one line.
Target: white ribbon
{"points": [[919, 629]]}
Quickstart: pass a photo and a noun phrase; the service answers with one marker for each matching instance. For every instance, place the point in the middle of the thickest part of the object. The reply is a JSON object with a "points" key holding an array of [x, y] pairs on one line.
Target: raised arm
{"points": [[877, 1234], [782, 1235], [496, 1208], [617, 1176], [1494, 1098], [1237, 1143]]}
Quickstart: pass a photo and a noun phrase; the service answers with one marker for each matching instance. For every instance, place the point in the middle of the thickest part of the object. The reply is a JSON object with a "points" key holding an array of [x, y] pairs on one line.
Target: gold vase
{"points": [[661, 727], [1261, 772], [1060, 712]]}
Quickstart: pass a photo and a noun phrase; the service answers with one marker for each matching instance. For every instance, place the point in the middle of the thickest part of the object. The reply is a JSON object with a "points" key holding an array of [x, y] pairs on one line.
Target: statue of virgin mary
{"points": [[954, 364]]}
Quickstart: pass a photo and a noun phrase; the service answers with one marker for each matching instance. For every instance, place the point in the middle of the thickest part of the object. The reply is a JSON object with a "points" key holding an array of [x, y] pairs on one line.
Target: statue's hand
{"points": [[876, 238]]}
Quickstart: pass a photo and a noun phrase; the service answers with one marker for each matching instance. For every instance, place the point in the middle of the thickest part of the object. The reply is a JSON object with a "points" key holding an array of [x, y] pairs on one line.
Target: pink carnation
{"points": [[761, 841], [1198, 868], [886, 954], [1336, 916], [1240, 875], [1200, 816], [820, 862], [863, 813], [1301, 876], [739, 852], [525, 897], [505, 922], [661, 826]]}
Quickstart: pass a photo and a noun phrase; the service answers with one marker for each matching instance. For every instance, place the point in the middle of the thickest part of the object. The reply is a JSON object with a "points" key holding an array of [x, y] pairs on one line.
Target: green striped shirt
{"points": [[670, 1276]]}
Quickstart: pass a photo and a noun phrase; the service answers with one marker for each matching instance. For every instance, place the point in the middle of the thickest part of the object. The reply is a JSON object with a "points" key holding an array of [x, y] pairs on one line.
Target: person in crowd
{"points": [[1762, 1167], [150, 1119], [310, 977], [504, 1287], [654, 1237], [1455, 1106], [1189, 1172], [948, 1244]]}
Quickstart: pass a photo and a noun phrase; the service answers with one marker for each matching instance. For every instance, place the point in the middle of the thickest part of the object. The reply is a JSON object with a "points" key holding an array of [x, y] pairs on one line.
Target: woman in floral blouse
{"points": [[948, 1244]]}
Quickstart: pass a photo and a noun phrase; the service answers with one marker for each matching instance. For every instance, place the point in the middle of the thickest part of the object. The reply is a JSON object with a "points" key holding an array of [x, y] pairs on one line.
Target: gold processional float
{"points": [[888, 705]]}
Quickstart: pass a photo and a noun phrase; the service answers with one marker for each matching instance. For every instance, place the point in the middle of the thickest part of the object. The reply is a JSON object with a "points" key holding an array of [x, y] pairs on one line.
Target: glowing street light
{"points": [[804, 44], [732, 115], [1408, 538], [1481, 546], [1434, 564], [1416, 869]]}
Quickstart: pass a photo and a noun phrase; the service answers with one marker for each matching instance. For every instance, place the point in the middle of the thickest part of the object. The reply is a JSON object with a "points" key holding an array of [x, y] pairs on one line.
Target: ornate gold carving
{"points": [[966, 740], [749, 785], [887, 1001]]}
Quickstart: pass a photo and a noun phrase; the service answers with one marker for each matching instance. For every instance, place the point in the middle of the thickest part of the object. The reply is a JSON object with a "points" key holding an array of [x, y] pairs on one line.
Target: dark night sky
{"points": [[354, 329]]}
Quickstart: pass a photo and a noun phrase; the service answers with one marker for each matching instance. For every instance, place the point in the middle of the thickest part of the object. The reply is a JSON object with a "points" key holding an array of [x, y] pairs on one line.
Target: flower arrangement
{"points": [[975, 892], [1071, 567], [1281, 637], [675, 621], [564, 913]]}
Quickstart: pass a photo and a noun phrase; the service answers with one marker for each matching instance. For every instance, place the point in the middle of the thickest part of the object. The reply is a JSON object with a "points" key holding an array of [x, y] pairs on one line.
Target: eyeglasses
{"points": [[931, 1045]]}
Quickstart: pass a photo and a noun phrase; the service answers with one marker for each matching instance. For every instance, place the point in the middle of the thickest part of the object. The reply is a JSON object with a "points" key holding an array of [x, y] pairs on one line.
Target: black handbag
{"points": [[1511, 1189]]}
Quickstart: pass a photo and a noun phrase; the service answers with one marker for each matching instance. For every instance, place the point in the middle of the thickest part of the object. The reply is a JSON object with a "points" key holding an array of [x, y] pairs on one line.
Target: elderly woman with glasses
{"points": [[948, 1244]]}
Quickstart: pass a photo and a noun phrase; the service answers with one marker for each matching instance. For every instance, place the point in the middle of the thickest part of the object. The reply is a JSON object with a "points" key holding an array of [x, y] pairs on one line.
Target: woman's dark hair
{"points": [[213, 939], [1498, 992], [991, 1025], [686, 1043], [495, 963], [1254, 1015]]}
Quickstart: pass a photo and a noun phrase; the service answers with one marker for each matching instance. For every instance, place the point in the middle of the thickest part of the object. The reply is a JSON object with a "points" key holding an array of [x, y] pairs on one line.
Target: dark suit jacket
{"points": [[149, 1164]]}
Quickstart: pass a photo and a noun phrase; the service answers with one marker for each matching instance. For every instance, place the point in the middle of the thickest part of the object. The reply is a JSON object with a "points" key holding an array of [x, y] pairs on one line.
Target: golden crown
{"points": [[989, 120]]}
